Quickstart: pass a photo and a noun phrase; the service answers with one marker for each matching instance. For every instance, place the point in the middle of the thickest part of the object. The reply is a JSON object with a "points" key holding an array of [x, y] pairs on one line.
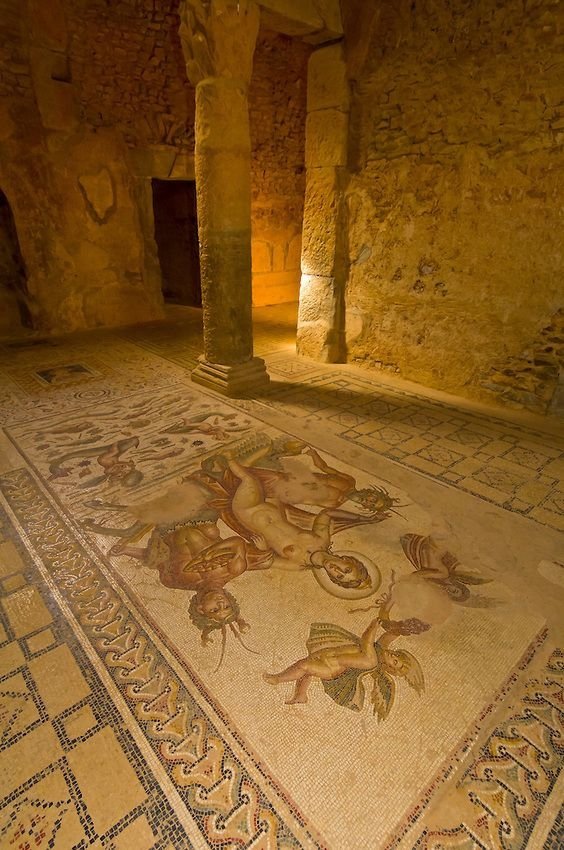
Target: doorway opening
{"points": [[14, 310], [176, 235]]}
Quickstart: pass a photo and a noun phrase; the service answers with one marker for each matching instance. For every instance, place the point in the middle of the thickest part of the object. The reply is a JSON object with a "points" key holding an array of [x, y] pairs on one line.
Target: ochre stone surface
{"points": [[13, 294], [69, 189], [76, 71], [317, 21], [83, 269], [218, 41], [535, 378], [455, 194], [327, 84], [321, 320], [277, 112]]}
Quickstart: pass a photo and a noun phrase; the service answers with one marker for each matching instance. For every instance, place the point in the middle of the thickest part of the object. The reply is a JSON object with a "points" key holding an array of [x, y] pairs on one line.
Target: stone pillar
{"points": [[325, 262], [218, 39]]}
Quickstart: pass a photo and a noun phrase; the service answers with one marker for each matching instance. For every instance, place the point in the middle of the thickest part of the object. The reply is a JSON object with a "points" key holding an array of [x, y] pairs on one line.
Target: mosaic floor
{"points": [[327, 618]]}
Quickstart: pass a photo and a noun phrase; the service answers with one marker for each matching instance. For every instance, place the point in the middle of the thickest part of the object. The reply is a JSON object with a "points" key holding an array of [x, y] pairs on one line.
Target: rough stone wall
{"points": [[15, 72], [129, 70], [277, 109], [535, 378], [85, 85], [13, 300], [67, 184], [455, 214]]}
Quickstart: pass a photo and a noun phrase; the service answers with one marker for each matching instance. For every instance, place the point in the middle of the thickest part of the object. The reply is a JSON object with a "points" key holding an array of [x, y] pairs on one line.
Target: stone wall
{"points": [[534, 378], [454, 201], [68, 185], [277, 109], [13, 300], [90, 89], [129, 72]]}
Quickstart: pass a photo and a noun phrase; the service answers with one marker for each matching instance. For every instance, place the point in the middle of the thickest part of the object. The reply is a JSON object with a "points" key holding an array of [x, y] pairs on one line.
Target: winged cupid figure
{"points": [[347, 664]]}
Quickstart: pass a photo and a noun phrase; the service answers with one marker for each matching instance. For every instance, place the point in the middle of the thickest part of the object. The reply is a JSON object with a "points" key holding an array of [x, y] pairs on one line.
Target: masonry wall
{"points": [[129, 70], [277, 109], [67, 183], [94, 101], [455, 194]]}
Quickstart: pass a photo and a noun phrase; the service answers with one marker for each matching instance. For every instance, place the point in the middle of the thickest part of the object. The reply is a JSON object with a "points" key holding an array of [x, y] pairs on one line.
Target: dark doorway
{"points": [[14, 311], [176, 234]]}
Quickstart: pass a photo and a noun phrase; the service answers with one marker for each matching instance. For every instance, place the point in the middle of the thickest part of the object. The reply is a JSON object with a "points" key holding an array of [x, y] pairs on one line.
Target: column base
{"points": [[237, 381]]}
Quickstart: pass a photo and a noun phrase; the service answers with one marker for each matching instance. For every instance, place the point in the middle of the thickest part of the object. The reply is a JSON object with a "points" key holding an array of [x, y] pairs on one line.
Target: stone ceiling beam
{"points": [[316, 21]]}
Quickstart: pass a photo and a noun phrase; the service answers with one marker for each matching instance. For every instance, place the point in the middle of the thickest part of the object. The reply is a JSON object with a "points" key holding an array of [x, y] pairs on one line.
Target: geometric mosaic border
{"points": [[17, 807], [504, 463], [512, 779]]}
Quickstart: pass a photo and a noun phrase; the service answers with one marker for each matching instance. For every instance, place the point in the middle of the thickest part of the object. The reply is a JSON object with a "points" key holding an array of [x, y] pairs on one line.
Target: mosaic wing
{"points": [[347, 690], [329, 636], [415, 547], [470, 578], [383, 694]]}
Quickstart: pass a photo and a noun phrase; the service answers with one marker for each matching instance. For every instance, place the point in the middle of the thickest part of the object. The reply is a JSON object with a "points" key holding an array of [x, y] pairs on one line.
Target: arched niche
{"points": [[14, 311]]}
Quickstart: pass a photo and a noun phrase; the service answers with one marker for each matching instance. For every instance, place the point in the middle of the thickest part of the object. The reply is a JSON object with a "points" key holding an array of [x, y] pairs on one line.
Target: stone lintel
{"points": [[161, 161], [316, 21], [235, 381], [327, 82]]}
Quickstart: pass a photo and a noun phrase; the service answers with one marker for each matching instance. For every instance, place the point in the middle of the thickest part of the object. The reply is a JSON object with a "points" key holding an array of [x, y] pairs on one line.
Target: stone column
{"points": [[218, 39], [325, 262]]}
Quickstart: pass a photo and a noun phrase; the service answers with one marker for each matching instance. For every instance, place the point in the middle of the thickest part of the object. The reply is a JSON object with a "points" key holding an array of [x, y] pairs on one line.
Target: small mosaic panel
{"points": [[57, 374]]}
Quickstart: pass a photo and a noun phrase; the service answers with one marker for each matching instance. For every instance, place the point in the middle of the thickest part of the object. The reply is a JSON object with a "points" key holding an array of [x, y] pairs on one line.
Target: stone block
{"points": [[327, 84], [318, 300], [330, 11], [55, 98], [275, 288], [319, 245], [294, 253], [154, 161], [261, 256], [291, 17], [326, 138], [318, 19], [316, 341], [239, 380], [184, 167]]}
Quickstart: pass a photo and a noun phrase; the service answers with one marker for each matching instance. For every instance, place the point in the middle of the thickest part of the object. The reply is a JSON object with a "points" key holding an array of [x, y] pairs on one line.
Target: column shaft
{"points": [[223, 168], [218, 39]]}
